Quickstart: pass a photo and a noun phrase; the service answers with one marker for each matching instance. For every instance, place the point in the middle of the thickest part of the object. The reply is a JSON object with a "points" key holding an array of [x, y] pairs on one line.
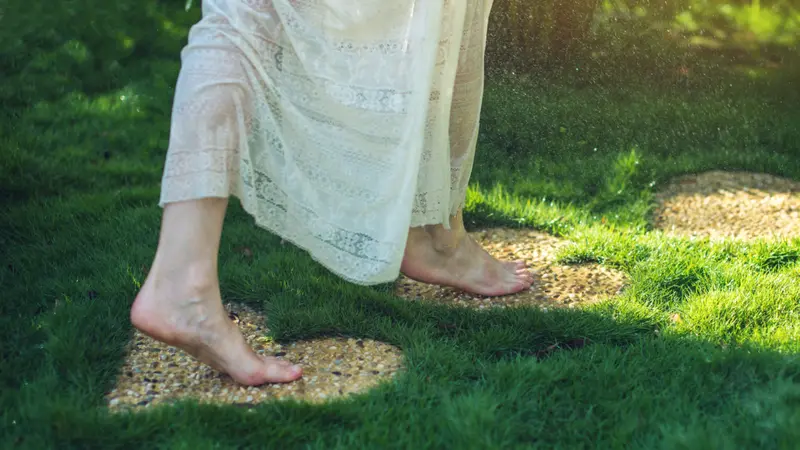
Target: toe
{"points": [[280, 362], [530, 275], [514, 284], [525, 274], [526, 278], [279, 371], [517, 287], [515, 265]]}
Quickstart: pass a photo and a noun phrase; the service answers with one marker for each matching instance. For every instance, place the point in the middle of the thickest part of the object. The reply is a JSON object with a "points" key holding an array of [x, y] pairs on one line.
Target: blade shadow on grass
{"points": [[456, 388], [465, 369], [599, 377]]}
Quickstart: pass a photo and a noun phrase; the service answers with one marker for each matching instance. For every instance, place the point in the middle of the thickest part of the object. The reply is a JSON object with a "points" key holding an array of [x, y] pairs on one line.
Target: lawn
{"points": [[84, 120]]}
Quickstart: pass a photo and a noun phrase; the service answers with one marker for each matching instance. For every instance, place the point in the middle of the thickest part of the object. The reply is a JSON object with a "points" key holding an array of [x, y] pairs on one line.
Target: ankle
{"points": [[446, 246], [446, 241], [195, 277]]}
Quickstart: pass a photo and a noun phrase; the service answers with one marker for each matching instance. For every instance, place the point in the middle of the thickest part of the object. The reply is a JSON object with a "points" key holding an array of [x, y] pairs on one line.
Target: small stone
{"points": [[189, 379]]}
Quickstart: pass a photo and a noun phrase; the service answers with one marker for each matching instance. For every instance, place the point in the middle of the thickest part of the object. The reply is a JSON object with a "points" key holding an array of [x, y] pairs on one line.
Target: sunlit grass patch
{"points": [[700, 350], [762, 309]]}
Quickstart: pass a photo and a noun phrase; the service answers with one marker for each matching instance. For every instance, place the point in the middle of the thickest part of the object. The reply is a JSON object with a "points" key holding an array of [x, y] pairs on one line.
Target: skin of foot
{"points": [[180, 305], [450, 257]]}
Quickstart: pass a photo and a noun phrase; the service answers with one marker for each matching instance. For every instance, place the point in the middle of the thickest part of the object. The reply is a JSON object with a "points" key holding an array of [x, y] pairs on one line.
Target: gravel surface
{"points": [[729, 205], [154, 373], [556, 285]]}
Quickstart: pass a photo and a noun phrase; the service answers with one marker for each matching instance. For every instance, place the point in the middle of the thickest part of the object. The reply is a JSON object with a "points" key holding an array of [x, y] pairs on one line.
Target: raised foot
{"points": [[198, 325], [467, 267]]}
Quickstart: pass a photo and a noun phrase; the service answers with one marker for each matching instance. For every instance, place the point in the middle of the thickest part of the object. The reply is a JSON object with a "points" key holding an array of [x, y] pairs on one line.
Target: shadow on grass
{"points": [[471, 376], [77, 257], [86, 46], [601, 147], [85, 90]]}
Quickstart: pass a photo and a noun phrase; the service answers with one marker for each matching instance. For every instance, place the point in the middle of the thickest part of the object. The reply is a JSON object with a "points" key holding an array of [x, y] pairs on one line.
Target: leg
{"points": [[450, 257], [180, 305], [458, 233]]}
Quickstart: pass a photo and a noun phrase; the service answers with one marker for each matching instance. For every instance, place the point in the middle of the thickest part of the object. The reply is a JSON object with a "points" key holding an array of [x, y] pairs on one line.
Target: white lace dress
{"points": [[337, 123]]}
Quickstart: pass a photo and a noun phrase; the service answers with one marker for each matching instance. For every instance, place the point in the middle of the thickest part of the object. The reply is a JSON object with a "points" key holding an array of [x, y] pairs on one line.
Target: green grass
{"points": [[86, 95]]}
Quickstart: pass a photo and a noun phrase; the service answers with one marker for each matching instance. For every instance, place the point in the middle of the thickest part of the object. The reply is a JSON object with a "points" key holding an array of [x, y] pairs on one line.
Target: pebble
{"points": [[729, 205], [181, 377], [583, 284]]}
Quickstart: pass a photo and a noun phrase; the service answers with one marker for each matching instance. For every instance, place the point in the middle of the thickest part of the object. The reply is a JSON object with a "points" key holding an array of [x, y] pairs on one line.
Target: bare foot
{"points": [[463, 264], [194, 320], [515, 264]]}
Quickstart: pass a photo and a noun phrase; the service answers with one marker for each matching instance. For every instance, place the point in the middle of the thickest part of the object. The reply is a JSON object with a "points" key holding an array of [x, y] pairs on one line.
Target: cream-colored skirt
{"points": [[337, 123]]}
